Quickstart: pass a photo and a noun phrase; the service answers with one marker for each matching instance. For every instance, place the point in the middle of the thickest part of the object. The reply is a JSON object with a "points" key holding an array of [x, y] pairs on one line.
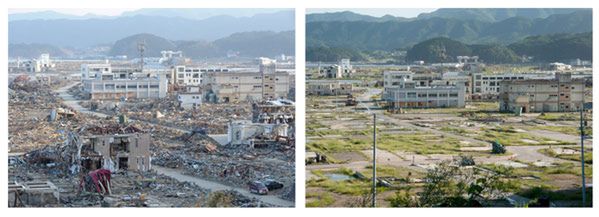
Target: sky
{"points": [[377, 12], [77, 11]]}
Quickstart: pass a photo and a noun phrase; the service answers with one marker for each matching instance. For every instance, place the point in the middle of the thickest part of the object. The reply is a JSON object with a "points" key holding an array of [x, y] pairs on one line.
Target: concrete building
{"points": [[560, 94], [328, 87], [42, 64], [187, 75], [235, 86], [456, 79], [343, 69], [332, 71], [90, 71], [115, 148], [401, 91], [279, 111], [255, 134], [556, 66], [346, 67], [191, 98], [104, 82], [486, 86]]}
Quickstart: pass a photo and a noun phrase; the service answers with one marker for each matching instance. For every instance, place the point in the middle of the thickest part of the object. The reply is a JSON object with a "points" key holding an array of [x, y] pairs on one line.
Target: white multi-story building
{"points": [[90, 71], [104, 82], [187, 75], [401, 91], [43, 63], [191, 98]]}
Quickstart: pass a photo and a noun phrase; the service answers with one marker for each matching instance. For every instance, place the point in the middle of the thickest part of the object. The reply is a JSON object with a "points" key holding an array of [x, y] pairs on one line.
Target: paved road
{"points": [[215, 186], [73, 103]]}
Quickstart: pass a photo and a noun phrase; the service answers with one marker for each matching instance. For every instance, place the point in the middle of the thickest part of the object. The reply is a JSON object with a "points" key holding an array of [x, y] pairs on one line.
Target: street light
{"points": [[582, 153], [374, 160]]}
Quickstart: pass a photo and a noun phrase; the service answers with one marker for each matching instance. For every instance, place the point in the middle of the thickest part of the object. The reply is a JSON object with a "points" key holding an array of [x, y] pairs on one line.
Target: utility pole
{"points": [[582, 153], [374, 160], [141, 47]]}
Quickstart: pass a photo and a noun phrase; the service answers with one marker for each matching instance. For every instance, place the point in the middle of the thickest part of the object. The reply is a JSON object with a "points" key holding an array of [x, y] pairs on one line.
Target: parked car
{"points": [[258, 187], [272, 184]]}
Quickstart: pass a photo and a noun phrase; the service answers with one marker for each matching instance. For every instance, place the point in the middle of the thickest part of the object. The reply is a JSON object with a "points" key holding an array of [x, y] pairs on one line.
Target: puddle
{"points": [[337, 177]]}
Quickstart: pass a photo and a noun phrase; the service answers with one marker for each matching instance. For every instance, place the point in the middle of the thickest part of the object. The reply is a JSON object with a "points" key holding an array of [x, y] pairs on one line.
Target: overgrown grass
{"points": [[559, 116], [322, 199], [390, 171], [349, 187], [419, 143], [508, 136], [550, 193], [588, 155], [338, 145], [570, 130], [539, 172]]}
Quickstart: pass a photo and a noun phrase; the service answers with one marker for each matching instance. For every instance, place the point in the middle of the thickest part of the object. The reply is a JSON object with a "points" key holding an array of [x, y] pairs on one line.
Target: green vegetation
{"points": [[446, 50], [352, 187], [559, 116], [539, 192], [588, 155], [508, 136], [438, 50], [322, 199], [339, 145], [402, 34], [540, 173], [556, 47], [452, 186], [570, 130], [419, 143]]}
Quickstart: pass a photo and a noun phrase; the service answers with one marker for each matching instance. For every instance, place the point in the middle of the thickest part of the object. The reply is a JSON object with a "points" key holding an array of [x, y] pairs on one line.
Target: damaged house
{"points": [[255, 134], [274, 112], [115, 148]]}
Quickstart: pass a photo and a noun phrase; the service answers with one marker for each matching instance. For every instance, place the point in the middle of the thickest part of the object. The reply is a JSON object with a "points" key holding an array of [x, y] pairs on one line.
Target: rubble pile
{"points": [[143, 189], [30, 106], [213, 117], [112, 129], [233, 165], [229, 198]]}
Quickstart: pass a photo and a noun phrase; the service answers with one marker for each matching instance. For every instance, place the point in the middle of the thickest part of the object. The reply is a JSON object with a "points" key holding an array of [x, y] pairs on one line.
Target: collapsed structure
{"points": [[272, 122], [343, 69], [328, 87], [115, 148]]}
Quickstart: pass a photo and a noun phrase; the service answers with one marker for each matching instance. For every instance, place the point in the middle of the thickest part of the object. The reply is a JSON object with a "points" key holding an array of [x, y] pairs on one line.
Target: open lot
{"points": [[542, 157]]}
